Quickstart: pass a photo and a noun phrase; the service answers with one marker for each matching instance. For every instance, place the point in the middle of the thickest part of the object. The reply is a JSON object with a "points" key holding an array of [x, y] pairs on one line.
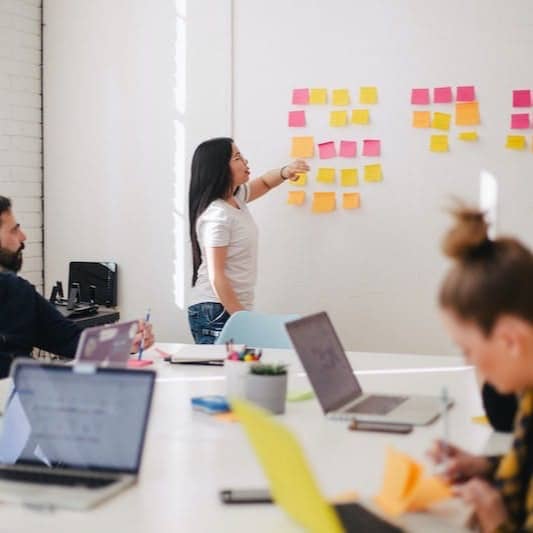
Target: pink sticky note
{"points": [[520, 121], [327, 150], [466, 93], [139, 363], [296, 119], [420, 96], [522, 98], [371, 147], [300, 96], [442, 95], [348, 149]]}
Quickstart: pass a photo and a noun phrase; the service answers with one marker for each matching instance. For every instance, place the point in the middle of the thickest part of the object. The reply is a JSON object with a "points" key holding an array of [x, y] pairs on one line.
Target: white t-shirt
{"points": [[221, 224]]}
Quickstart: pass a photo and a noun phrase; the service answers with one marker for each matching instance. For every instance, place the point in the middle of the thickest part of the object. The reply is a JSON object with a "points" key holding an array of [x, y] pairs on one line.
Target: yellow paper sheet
{"points": [[301, 181], [466, 113], [303, 147], [349, 177], [338, 118], [360, 116], [351, 200], [468, 136], [438, 143], [515, 142], [421, 119], [291, 481], [481, 419], [318, 96], [341, 97], [326, 175], [296, 198], [368, 95], [441, 121], [324, 202], [373, 173]]}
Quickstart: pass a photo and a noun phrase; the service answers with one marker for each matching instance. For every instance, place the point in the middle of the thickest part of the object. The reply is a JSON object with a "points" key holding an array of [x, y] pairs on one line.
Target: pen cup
{"points": [[236, 372]]}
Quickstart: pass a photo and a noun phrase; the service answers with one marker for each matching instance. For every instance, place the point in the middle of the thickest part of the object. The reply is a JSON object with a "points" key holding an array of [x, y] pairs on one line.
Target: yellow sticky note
{"points": [[338, 118], [292, 483], [441, 121], [438, 143], [296, 198], [360, 116], [324, 202], [427, 491], [373, 173], [326, 175], [349, 177], [301, 181], [481, 419], [318, 96], [468, 136], [466, 113], [515, 142], [368, 95], [341, 97], [351, 200], [421, 119], [303, 147]]}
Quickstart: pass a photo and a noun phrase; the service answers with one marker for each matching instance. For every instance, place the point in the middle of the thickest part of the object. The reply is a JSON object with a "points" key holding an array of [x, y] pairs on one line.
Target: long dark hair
{"points": [[490, 277], [210, 180]]}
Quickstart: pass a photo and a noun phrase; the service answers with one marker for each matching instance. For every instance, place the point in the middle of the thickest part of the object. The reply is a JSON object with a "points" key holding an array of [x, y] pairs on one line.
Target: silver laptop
{"points": [[107, 345], [72, 436], [338, 389]]}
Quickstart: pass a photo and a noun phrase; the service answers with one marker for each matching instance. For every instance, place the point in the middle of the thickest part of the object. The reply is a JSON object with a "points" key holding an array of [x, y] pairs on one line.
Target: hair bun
{"points": [[468, 235]]}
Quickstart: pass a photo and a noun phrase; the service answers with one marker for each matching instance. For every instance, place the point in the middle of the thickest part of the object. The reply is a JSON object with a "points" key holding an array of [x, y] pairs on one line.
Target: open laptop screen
{"points": [[324, 360], [69, 417]]}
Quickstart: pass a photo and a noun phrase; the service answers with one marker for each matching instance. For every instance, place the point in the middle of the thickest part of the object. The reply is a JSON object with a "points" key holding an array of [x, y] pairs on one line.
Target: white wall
{"points": [[20, 124], [115, 150], [377, 270]]}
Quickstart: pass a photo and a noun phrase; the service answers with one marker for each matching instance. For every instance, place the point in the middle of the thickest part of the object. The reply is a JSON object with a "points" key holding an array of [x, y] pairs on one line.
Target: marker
{"points": [[445, 423], [141, 348]]}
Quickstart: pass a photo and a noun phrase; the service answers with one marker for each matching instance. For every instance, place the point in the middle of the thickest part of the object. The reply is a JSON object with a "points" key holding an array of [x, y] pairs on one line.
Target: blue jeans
{"points": [[206, 321]]}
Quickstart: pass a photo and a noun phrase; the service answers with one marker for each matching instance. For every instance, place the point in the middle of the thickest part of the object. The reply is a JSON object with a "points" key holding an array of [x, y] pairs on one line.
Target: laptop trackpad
{"points": [[377, 405]]}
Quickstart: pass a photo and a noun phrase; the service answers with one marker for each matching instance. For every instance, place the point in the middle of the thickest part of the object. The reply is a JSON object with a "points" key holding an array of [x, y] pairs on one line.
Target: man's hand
{"points": [[144, 331]]}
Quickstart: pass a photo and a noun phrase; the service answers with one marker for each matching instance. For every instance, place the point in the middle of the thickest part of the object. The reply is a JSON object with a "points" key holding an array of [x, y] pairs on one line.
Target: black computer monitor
{"points": [[103, 275]]}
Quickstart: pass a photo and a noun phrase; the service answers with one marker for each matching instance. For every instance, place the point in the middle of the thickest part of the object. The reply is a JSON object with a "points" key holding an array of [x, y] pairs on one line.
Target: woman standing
{"points": [[223, 233], [487, 305]]}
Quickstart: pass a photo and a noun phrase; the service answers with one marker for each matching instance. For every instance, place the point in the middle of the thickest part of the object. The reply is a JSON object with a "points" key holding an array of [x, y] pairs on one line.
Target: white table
{"points": [[190, 456]]}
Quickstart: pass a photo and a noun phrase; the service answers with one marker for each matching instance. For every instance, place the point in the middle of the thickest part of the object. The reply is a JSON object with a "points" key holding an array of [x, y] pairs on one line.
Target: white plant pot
{"points": [[267, 391]]}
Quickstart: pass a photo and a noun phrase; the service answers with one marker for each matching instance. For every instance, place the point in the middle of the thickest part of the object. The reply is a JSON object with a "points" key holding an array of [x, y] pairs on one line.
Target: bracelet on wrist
{"points": [[281, 173]]}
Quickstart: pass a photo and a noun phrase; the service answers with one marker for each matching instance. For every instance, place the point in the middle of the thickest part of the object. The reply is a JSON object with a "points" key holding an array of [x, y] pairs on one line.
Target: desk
{"points": [[105, 315], [189, 456]]}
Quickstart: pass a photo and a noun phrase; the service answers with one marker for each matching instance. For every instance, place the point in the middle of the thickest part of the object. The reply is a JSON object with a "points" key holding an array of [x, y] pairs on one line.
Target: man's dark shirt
{"points": [[500, 408], [28, 320]]}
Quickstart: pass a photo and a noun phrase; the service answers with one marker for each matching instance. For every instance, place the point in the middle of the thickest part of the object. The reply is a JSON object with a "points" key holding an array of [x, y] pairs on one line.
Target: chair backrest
{"points": [[260, 330]]}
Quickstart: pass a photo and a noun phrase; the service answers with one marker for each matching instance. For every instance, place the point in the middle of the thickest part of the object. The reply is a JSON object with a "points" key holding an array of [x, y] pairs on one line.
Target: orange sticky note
{"points": [[351, 200], [318, 96], [296, 198], [373, 173], [323, 202], [421, 119], [466, 113], [349, 177], [303, 147]]}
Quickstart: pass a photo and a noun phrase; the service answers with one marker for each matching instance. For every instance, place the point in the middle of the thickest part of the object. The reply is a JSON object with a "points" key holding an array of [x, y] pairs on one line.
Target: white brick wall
{"points": [[20, 124]]}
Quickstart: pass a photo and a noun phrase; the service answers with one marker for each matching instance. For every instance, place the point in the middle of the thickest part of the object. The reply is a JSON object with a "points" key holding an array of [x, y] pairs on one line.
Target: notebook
{"points": [[337, 387], [72, 436]]}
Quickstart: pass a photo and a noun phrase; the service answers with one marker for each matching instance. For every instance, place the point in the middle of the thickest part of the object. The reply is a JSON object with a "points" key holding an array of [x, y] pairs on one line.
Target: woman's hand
{"points": [[458, 464], [291, 171], [486, 501], [144, 330]]}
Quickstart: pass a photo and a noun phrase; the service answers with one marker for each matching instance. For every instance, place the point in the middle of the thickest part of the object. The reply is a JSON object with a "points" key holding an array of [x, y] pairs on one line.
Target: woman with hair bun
{"points": [[487, 306]]}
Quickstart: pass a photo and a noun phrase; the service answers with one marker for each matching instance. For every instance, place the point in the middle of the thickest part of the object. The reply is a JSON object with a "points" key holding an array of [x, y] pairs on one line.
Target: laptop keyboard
{"points": [[377, 405], [48, 478]]}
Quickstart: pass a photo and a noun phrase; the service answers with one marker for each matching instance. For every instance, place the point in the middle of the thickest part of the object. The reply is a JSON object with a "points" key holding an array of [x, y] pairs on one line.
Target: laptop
{"points": [[72, 436], [107, 345], [292, 483], [336, 386]]}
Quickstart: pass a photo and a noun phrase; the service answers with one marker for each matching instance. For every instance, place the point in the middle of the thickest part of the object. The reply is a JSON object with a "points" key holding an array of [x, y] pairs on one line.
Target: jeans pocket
{"points": [[213, 312]]}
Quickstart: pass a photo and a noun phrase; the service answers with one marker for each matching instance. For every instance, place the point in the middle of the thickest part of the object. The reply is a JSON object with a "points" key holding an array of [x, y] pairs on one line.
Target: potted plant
{"points": [[266, 385]]}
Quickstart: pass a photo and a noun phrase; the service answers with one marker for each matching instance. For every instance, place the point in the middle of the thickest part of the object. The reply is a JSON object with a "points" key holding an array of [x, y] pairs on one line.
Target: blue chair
{"points": [[260, 330]]}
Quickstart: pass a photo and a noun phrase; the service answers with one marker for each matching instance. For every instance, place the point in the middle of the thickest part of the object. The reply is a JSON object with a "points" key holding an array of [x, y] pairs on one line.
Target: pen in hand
{"points": [[445, 426], [141, 347]]}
